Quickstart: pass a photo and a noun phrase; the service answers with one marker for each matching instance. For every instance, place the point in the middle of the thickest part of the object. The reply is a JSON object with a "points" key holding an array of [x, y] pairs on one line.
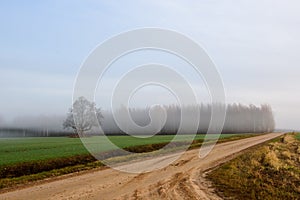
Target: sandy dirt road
{"points": [[182, 179]]}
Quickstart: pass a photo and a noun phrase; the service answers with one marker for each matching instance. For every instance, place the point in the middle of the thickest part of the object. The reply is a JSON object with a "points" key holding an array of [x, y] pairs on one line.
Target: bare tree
{"points": [[81, 117]]}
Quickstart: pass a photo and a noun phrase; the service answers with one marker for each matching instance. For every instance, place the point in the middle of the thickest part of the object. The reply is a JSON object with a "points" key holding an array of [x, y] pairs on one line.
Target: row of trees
{"points": [[239, 119]]}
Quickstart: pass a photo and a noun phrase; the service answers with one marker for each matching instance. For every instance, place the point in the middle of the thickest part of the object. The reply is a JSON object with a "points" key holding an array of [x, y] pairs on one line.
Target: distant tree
{"points": [[1, 121], [81, 116]]}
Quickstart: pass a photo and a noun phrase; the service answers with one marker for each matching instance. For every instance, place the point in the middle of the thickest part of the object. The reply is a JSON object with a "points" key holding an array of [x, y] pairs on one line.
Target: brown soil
{"points": [[182, 179]]}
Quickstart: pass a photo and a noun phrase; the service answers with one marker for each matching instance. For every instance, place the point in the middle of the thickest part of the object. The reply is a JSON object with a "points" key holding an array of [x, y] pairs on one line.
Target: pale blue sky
{"points": [[255, 45]]}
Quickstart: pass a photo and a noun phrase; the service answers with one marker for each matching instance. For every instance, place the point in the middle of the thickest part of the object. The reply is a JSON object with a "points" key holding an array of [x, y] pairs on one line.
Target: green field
{"points": [[17, 150], [298, 136], [24, 160]]}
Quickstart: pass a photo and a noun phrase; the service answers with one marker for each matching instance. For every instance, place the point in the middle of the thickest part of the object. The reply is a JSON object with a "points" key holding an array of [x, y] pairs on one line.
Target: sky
{"points": [[255, 45]]}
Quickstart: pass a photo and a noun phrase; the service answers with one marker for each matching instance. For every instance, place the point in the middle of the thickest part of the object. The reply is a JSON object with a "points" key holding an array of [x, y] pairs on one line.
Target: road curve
{"points": [[182, 179]]}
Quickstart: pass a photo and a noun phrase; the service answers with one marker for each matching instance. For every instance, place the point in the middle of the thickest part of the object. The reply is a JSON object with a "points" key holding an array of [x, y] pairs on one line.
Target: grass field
{"points": [[270, 171], [24, 160], [297, 136], [17, 150]]}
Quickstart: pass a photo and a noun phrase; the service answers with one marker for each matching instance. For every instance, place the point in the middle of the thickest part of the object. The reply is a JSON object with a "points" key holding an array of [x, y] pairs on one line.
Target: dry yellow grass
{"points": [[270, 171]]}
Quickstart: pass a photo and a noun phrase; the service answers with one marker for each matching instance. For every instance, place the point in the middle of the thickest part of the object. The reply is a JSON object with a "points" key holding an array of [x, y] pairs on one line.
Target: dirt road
{"points": [[181, 180]]}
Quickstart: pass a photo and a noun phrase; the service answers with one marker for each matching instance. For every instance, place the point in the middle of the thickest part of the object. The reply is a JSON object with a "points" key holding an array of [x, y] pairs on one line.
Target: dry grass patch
{"points": [[270, 171]]}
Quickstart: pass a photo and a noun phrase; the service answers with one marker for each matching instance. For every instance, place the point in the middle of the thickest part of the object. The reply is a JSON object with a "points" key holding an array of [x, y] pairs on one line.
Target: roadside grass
{"points": [[33, 167], [20, 170], [297, 136], [9, 183], [268, 171]]}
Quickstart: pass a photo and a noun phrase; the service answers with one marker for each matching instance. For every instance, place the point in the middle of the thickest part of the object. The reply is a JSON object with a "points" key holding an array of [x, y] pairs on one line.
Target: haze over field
{"points": [[254, 44], [149, 99]]}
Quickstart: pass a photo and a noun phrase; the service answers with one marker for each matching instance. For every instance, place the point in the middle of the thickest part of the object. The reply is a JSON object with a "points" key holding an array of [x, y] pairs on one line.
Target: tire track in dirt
{"points": [[183, 179]]}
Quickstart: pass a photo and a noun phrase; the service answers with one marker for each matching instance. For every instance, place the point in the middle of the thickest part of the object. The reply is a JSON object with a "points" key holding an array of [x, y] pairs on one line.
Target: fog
{"points": [[239, 119]]}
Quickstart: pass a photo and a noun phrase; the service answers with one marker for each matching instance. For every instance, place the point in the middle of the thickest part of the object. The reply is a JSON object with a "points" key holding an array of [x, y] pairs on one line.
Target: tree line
{"points": [[239, 119]]}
